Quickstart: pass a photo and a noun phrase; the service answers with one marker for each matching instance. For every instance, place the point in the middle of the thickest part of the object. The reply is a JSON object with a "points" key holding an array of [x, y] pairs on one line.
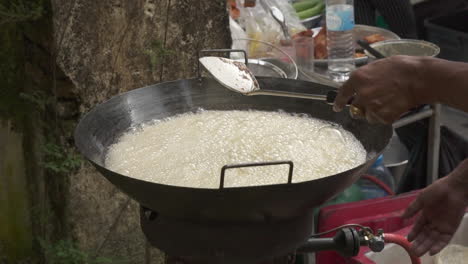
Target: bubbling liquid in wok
{"points": [[190, 149]]}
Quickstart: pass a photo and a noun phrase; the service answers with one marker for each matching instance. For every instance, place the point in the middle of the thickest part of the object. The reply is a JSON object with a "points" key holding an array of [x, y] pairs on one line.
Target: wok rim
{"points": [[97, 107]]}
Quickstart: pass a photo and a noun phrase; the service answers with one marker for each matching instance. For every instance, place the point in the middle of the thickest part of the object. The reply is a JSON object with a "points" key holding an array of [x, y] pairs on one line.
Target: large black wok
{"points": [[104, 124]]}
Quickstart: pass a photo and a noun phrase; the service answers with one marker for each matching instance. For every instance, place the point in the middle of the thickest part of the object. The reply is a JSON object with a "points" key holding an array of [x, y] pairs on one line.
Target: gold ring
{"points": [[356, 112]]}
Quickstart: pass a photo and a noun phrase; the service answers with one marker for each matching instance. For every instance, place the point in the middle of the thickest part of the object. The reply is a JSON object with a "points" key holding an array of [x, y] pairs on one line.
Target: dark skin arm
{"points": [[441, 207], [386, 89]]}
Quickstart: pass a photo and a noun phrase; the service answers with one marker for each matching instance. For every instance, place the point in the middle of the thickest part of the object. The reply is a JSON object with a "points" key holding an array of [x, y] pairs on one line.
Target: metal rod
{"points": [[433, 149], [365, 45], [346, 241], [289, 94], [342, 227], [258, 164], [318, 244], [433, 138], [413, 118]]}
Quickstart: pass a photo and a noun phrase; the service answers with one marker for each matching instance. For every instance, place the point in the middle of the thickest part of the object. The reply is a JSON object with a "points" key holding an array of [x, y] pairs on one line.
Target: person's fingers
{"points": [[436, 248], [420, 243], [424, 246], [442, 241], [345, 94], [413, 208], [417, 228], [357, 109], [371, 106], [372, 117], [420, 238], [357, 112], [432, 238], [387, 114]]}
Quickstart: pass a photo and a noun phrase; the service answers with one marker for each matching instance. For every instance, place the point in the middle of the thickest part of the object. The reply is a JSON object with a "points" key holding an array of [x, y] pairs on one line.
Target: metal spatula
{"points": [[237, 77]]}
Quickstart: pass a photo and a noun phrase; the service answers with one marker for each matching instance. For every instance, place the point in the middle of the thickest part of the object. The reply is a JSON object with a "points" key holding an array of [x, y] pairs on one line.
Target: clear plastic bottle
{"points": [[369, 189], [340, 42]]}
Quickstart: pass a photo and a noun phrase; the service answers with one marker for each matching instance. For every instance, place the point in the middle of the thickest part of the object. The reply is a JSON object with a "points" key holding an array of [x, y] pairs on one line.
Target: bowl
{"points": [[272, 67], [312, 22], [409, 47], [266, 59]]}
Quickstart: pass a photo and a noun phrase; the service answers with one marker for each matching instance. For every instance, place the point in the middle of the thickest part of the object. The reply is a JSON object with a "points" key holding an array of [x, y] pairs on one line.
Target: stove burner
{"points": [[250, 243], [288, 259], [214, 242]]}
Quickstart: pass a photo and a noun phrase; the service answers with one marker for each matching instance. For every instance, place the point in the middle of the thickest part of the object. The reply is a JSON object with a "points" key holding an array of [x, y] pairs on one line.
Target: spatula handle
{"points": [[353, 110], [331, 96]]}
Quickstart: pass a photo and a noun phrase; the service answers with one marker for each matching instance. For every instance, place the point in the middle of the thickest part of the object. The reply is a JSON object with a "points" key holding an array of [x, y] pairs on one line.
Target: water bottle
{"points": [[340, 43], [369, 189]]}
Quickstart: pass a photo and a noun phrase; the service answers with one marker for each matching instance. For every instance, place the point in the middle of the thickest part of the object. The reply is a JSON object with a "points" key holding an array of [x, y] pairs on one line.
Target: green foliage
{"points": [[17, 105], [157, 53], [66, 252], [57, 160], [11, 72], [37, 98], [14, 11], [13, 104]]}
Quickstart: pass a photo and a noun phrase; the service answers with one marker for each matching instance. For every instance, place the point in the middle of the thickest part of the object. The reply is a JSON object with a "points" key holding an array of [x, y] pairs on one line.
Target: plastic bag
{"points": [[292, 20], [237, 33], [453, 150], [260, 25]]}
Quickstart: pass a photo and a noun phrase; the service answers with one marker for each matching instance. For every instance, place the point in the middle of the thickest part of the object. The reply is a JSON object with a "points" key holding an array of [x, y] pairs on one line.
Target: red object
{"points": [[320, 44], [250, 3], [361, 258], [379, 183], [404, 243], [233, 10], [374, 38], [306, 33], [384, 213]]}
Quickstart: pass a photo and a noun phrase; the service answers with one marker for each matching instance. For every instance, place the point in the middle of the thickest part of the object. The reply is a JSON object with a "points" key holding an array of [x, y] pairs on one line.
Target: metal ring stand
{"points": [[257, 164]]}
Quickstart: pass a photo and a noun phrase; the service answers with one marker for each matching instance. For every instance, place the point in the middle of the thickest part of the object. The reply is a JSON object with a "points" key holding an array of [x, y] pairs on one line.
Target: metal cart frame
{"points": [[434, 114]]}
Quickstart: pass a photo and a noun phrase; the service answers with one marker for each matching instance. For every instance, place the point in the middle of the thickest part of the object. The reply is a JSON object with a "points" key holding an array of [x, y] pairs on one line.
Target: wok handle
{"points": [[229, 51], [256, 164]]}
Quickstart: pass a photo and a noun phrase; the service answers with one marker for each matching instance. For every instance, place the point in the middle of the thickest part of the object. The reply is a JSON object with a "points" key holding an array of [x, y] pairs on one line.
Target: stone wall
{"points": [[15, 226], [112, 46], [101, 48]]}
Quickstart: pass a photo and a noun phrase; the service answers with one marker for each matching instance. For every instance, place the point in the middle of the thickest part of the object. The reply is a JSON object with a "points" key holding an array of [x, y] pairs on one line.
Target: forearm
{"points": [[458, 179], [445, 82]]}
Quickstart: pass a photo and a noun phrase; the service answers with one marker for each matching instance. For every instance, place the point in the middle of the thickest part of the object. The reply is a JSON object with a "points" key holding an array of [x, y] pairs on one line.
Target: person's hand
{"points": [[441, 207], [384, 89]]}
